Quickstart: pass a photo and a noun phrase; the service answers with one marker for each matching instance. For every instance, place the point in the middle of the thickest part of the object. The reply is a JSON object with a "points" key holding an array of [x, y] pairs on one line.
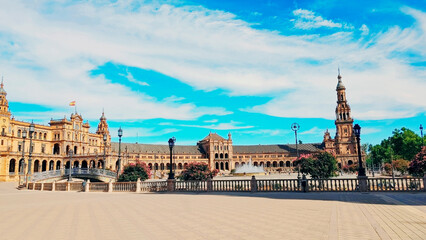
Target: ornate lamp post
{"points": [[31, 131], [357, 132], [105, 139], [120, 134], [295, 127], [171, 145], [421, 134]]}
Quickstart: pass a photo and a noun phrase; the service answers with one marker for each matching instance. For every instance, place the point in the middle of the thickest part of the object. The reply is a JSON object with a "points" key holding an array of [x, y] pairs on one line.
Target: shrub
{"points": [[132, 172], [323, 165], [401, 165], [417, 166], [197, 171]]}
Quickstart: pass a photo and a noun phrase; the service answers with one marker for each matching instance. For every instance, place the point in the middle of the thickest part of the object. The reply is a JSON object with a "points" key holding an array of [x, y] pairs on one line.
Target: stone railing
{"points": [[39, 176], [360, 184]]}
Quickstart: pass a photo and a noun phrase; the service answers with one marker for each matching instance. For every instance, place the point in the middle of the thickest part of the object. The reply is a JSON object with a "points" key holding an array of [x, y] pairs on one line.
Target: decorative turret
{"points": [[103, 125], [229, 136], [4, 104]]}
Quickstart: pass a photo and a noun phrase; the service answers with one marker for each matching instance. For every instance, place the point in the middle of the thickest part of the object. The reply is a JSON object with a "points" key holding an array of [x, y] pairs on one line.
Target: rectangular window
{"points": [[19, 147]]}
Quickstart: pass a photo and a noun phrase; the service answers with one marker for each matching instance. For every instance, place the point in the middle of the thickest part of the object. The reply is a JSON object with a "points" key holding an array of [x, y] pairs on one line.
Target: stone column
{"points": [[424, 183], [209, 185], [87, 187], [110, 186], [362, 183], [54, 186], [253, 184], [138, 185], [171, 185]]}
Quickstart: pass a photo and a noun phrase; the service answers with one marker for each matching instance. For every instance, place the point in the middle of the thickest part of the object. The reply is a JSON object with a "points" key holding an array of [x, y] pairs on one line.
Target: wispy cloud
{"points": [[306, 19], [221, 126]]}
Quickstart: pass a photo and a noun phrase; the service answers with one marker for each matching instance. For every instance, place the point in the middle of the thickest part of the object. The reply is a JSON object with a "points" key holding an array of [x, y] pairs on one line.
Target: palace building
{"points": [[53, 146]]}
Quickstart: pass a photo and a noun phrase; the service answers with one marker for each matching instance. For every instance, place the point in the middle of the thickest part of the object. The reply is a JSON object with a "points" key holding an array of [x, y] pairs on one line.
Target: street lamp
{"points": [[105, 139], [421, 134], [295, 127], [31, 131], [120, 134], [171, 145], [24, 135], [357, 132]]}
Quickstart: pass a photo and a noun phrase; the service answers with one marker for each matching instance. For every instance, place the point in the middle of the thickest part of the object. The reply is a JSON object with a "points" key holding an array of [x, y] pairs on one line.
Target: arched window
{"points": [[44, 166], [221, 156], [56, 148], [36, 165], [58, 165], [21, 165], [180, 166], [217, 165], [45, 136], [350, 162], [236, 165], [12, 166], [268, 164], [287, 164], [255, 164], [216, 155], [156, 166], [51, 165], [281, 164], [75, 149], [221, 166], [226, 155], [76, 164], [274, 164], [226, 166]]}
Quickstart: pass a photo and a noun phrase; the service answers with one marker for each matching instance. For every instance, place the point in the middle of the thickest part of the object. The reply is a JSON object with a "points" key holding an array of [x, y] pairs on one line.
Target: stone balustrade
{"points": [[361, 184]]}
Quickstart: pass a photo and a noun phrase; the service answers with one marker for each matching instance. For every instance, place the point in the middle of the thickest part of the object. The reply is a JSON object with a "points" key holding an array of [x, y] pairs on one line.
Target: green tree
{"points": [[197, 171], [132, 172], [322, 165]]}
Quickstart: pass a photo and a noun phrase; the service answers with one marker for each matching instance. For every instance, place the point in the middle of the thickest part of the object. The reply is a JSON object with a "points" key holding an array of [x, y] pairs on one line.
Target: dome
{"points": [[340, 84]]}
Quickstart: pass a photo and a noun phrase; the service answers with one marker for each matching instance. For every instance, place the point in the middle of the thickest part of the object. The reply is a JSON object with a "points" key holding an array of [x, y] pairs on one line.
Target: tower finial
{"points": [[2, 81]]}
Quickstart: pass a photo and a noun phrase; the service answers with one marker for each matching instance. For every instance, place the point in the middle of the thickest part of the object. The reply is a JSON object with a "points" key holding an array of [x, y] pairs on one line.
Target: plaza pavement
{"points": [[77, 215]]}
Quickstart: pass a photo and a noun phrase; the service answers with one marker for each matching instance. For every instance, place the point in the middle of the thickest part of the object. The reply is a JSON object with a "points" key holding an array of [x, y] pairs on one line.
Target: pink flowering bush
{"points": [[133, 171], [197, 171]]}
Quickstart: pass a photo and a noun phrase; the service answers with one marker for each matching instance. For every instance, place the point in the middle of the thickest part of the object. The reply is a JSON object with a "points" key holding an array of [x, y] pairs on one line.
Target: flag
{"points": [[72, 103]]}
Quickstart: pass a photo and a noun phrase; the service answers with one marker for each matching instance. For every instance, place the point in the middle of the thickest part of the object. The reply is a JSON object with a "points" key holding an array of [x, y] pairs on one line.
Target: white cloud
{"points": [[306, 19], [269, 132], [50, 53], [364, 29], [221, 126]]}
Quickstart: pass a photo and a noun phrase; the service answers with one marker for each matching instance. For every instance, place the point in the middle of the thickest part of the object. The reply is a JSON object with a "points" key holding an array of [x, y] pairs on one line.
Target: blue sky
{"points": [[185, 68]]}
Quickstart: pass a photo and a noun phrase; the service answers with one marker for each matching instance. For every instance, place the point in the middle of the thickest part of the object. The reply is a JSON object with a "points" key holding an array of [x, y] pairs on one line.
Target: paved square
{"points": [[77, 215]]}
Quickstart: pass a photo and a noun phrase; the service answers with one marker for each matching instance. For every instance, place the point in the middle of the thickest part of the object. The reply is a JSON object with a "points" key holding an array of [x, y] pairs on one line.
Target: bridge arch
{"points": [[84, 164]]}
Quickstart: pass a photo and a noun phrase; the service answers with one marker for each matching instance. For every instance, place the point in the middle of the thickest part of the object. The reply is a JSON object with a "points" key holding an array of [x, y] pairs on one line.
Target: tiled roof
{"points": [[154, 148], [164, 149], [279, 148], [214, 136]]}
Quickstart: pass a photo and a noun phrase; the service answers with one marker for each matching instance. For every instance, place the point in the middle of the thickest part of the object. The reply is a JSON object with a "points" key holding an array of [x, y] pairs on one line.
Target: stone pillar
{"points": [[209, 185], [362, 183], [304, 184], [138, 185], [68, 186], [87, 187], [42, 186], [171, 185], [110, 186], [54, 186], [33, 186], [253, 184], [424, 183]]}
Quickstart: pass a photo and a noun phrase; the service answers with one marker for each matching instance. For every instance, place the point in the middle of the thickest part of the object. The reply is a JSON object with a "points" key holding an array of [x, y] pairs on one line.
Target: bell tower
{"points": [[345, 141]]}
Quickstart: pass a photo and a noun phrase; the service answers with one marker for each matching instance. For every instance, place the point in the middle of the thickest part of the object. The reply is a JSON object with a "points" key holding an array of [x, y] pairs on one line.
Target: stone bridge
{"points": [[82, 173]]}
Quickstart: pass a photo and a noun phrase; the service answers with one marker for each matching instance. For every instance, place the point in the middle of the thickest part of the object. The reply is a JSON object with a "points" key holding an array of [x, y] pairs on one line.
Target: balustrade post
{"points": [[42, 186], [110, 186], [304, 184], [87, 187], [33, 185], [253, 184], [363, 183], [68, 186], [171, 185], [53, 186], [424, 183], [209, 185], [138, 185]]}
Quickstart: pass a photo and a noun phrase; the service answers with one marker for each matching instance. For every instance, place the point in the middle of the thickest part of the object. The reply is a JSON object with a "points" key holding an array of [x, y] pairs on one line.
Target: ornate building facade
{"points": [[53, 143]]}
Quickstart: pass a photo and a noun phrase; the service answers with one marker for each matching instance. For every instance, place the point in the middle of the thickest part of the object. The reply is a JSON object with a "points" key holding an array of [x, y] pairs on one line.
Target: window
{"points": [[19, 147], [19, 133]]}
